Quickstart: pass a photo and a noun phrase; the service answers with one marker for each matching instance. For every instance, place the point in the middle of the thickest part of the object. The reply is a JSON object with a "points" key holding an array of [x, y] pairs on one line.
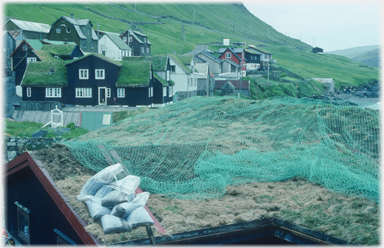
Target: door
{"points": [[102, 96]]}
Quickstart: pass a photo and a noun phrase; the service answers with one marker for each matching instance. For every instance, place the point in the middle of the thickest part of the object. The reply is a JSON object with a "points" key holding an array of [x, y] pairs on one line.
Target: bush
{"points": [[71, 126]]}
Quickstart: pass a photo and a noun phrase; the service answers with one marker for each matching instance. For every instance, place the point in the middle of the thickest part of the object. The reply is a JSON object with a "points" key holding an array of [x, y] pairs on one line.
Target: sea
{"points": [[372, 103]]}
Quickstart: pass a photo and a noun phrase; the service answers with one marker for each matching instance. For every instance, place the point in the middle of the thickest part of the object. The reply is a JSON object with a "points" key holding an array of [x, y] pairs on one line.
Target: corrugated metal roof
{"points": [[231, 62], [137, 32], [79, 32], [32, 26], [236, 50], [137, 38], [115, 38], [210, 55], [74, 21], [239, 84], [324, 80]]}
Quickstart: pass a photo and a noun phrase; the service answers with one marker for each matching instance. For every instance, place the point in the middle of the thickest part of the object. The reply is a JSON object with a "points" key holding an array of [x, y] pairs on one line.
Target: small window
{"points": [[149, 92], [150, 75], [83, 92], [108, 92], [228, 55], [29, 92], [173, 68], [130, 39], [52, 92], [120, 92], [92, 46], [164, 91], [31, 60], [75, 57], [68, 30], [84, 44], [147, 49], [125, 39], [142, 49], [83, 74], [88, 31], [167, 75], [56, 57], [145, 40], [24, 48], [99, 73], [58, 30], [23, 223]]}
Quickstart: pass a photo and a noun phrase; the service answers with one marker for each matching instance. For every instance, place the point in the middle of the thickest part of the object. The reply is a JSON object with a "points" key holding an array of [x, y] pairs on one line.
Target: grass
{"points": [[134, 73], [64, 49], [38, 74], [121, 115], [26, 129]]}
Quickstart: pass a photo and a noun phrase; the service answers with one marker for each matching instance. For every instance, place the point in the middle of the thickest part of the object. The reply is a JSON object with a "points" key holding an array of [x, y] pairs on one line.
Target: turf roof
{"points": [[162, 81], [134, 74], [99, 56], [45, 55], [159, 62], [64, 49], [38, 74], [180, 59]]}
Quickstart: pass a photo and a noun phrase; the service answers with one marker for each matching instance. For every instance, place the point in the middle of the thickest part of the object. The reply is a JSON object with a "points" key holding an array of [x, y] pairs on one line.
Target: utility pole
{"points": [[182, 32], [233, 26], [268, 72], [193, 15], [268, 32], [171, 48], [98, 33]]}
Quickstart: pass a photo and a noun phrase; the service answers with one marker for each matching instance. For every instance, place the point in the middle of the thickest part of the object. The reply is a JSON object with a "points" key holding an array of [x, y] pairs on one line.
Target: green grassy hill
{"points": [[214, 22], [354, 51], [371, 58]]}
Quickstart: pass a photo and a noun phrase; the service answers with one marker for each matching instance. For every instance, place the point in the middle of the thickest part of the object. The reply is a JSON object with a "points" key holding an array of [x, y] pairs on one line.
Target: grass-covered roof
{"points": [[182, 60], [118, 63], [162, 81], [44, 55], [134, 74], [63, 49], [159, 62], [40, 74]]}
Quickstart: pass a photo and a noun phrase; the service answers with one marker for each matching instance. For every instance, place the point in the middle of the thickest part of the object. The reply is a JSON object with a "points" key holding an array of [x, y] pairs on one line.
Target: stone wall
{"points": [[15, 146]]}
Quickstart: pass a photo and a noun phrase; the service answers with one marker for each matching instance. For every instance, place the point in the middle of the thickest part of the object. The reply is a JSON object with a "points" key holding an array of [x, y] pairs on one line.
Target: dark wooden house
{"points": [[23, 55], [79, 31], [31, 30], [317, 50], [138, 42], [257, 59], [163, 85], [32, 201]]}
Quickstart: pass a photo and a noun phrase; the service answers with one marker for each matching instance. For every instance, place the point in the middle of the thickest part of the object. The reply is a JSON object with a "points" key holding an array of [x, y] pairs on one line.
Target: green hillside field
{"points": [[214, 22]]}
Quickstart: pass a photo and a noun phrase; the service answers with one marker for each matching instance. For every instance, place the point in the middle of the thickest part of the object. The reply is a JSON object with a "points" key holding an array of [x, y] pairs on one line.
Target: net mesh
{"points": [[195, 148]]}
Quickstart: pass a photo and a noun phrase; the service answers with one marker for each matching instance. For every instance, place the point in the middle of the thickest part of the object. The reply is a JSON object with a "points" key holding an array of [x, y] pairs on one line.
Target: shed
{"points": [[317, 50], [328, 82], [31, 30]]}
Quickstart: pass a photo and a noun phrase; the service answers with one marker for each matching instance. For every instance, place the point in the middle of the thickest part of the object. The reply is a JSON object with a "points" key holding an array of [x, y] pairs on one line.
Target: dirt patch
{"points": [[311, 205]]}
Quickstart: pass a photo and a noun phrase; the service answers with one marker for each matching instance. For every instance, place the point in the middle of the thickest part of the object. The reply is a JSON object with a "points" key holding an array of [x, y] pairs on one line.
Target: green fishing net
{"points": [[195, 148]]}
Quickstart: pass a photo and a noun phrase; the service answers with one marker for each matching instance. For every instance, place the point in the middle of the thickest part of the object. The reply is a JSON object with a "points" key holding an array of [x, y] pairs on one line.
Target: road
{"points": [[198, 49]]}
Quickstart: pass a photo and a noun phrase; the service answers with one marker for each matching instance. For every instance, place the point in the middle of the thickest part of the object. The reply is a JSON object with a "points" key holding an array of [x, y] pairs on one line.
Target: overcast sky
{"points": [[331, 25]]}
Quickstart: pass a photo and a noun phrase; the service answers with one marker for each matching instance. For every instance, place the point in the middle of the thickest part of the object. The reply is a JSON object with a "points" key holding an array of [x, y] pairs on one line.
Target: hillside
{"points": [[354, 51], [210, 22], [371, 58]]}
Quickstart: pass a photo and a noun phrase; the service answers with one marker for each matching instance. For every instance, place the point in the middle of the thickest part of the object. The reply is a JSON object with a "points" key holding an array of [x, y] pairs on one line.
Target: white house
{"points": [[112, 46], [184, 75], [328, 82], [214, 63]]}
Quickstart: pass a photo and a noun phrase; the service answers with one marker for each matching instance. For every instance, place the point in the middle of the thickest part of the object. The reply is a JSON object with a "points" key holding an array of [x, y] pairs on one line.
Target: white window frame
{"points": [[85, 76], [164, 91], [130, 39], [83, 92], [31, 60], [102, 71], [108, 92], [167, 75], [145, 40], [53, 92], [29, 92], [120, 92], [142, 49], [125, 39], [170, 90], [68, 30], [58, 30], [174, 68], [56, 57], [150, 74], [147, 49], [151, 91], [228, 55]]}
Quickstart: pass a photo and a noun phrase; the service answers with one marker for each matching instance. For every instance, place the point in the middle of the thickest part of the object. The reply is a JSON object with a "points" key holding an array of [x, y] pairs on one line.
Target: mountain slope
{"points": [[371, 58], [354, 51], [163, 23]]}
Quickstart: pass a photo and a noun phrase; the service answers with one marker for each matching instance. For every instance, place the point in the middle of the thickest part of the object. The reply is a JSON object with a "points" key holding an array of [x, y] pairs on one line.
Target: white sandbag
{"points": [[96, 211], [127, 185], [104, 177], [113, 224], [115, 197], [103, 191], [139, 217], [123, 210]]}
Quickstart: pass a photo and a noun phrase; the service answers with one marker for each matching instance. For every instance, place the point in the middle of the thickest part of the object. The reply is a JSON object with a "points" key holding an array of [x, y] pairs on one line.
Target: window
{"points": [[164, 91], [23, 222], [142, 49], [99, 73], [56, 57], [75, 57], [83, 74], [52, 92], [228, 55], [167, 75], [170, 90], [84, 44], [195, 81], [125, 39], [88, 31], [120, 92], [92, 46], [24, 48], [28, 92], [150, 75], [145, 40], [31, 60], [108, 92], [147, 49], [130, 39], [58, 30], [149, 92], [68, 30], [62, 239], [173, 68], [83, 92]]}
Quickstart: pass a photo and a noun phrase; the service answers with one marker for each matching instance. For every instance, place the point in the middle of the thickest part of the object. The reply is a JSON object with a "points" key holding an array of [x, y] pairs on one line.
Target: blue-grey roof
{"points": [[230, 49], [31, 26], [79, 32], [236, 50], [210, 55], [200, 60], [231, 62], [115, 38]]}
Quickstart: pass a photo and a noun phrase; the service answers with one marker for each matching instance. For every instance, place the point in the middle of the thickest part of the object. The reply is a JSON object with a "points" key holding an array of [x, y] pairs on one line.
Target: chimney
{"points": [[72, 16]]}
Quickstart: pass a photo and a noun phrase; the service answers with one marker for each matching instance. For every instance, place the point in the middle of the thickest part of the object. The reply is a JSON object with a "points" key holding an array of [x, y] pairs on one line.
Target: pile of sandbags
{"points": [[113, 201]]}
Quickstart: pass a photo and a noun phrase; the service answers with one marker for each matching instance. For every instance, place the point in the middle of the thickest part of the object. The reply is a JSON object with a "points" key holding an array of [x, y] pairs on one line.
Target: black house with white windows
{"points": [[138, 42]]}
